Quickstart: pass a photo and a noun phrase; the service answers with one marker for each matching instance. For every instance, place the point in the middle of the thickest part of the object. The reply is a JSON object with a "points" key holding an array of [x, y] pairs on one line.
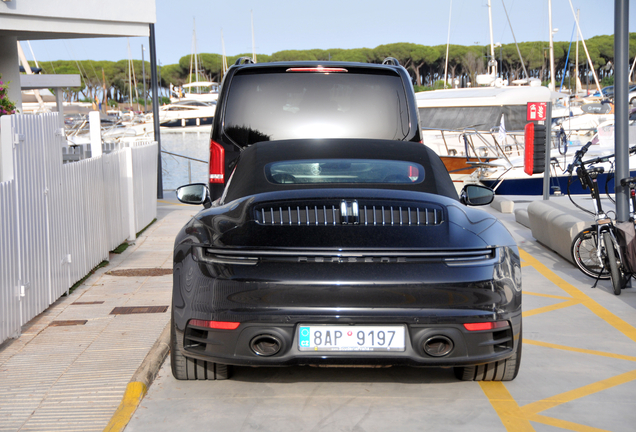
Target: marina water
{"points": [[194, 144]]}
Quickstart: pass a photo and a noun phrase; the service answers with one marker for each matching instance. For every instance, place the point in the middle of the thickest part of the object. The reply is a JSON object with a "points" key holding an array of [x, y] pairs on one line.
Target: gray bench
{"points": [[555, 225]]}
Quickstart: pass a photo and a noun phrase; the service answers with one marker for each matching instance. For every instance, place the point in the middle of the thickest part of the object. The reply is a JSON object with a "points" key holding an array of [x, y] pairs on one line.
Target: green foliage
{"points": [[6, 106], [419, 88], [607, 81], [440, 84], [121, 248]]}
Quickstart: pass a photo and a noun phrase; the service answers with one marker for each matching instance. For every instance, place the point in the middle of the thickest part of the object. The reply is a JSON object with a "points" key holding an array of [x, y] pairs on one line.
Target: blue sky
{"points": [[302, 24]]}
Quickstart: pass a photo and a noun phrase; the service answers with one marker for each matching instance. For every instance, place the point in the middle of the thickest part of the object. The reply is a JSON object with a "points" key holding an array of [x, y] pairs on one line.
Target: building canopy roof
{"points": [[45, 19]]}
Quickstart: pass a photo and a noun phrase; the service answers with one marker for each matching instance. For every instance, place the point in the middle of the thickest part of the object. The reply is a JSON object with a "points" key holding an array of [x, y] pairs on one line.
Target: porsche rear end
{"points": [[284, 280]]}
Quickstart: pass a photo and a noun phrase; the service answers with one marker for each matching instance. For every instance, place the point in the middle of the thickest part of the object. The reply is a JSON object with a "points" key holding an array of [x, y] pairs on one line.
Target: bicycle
{"points": [[595, 250]]}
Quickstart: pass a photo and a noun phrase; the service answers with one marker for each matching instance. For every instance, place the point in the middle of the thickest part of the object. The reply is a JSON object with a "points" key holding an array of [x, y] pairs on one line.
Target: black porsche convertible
{"points": [[344, 252]]}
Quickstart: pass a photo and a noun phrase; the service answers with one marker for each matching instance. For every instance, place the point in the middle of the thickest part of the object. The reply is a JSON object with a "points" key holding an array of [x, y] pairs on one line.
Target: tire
{"points": [[584, 255], [504, 370], [612, 259], [185, 368]]}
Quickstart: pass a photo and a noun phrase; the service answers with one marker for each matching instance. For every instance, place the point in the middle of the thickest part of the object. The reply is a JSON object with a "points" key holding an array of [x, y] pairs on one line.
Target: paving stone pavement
{"points": [[70, 367]]}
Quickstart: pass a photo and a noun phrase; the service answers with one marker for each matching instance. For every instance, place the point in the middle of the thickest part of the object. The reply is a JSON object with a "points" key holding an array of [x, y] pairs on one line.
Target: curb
{"points": [[139, 383]]}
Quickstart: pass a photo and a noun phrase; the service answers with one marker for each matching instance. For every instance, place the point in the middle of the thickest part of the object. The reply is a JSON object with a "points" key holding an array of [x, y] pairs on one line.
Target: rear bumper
{"points": [[428, 297], [469, 347]]}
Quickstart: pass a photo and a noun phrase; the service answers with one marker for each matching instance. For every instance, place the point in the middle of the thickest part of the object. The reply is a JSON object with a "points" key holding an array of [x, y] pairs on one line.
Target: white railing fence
{"points": [[58, 221]]}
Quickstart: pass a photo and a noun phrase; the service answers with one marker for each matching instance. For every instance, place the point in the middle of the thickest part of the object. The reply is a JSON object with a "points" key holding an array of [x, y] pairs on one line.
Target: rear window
{"points": [[482, 118], [290, 105], [337, 171]]}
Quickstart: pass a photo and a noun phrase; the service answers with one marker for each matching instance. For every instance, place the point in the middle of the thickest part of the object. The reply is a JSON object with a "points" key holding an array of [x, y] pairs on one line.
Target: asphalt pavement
{"points": [[88, 362]]}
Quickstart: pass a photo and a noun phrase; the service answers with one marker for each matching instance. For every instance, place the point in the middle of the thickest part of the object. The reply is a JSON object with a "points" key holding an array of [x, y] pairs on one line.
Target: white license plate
{"points": [[325, 337]]}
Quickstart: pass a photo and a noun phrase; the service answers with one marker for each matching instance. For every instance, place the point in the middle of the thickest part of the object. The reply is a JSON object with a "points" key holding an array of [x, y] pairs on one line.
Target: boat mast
{"points": [[224, 62], [587, 54], [576, 67], [447, 45], [516, 44], [194, 57], [552, 86], [492, 61], [253, 43]]}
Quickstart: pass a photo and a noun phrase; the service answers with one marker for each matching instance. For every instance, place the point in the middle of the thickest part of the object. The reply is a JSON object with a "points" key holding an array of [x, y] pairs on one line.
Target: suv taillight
{"points": [[217, 162]]}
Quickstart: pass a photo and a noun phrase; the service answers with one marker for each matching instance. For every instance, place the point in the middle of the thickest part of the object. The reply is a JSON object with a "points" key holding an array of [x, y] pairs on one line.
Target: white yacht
{"points": [[187, 113], [203, 91]]}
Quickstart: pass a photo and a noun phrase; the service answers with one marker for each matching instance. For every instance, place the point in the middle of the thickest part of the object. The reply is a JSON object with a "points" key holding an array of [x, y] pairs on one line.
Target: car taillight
{"points": [[486, 325], [220, 325], [316, 69], [217, 162]]}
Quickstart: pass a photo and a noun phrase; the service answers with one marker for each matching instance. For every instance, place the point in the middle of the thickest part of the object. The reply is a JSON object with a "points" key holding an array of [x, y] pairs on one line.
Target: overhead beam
{"points": [[38, 82]]}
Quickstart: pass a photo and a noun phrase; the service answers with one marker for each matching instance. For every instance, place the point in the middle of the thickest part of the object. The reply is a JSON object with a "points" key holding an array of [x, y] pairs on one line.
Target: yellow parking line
{"points": [[592, 305], [506, 407], [564, 424], [546, 295], [579, 350], [569, 396], [550, 308], [516, 418]]}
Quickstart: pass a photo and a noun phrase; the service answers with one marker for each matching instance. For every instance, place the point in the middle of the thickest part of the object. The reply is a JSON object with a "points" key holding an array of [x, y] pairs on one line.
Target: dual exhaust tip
{"points": [[438, 346], [267, 345]]}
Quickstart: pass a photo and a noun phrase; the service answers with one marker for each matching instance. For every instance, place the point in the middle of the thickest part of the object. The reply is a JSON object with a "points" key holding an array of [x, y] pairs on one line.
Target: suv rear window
{"points": [[336, 171], [290, 105]]}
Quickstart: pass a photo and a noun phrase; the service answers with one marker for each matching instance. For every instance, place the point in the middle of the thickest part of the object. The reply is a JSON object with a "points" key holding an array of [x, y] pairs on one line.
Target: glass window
{"points": [[292, 105], [338, 171], [482, 118]]}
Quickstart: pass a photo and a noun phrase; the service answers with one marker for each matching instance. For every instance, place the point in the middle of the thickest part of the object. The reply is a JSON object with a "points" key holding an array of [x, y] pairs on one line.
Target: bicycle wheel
{"points": [[584, 254], [612, 258]]}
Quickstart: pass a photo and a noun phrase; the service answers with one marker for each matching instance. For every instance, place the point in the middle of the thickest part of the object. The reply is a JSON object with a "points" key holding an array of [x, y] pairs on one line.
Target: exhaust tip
{"points": [[438, 346], [265, 345]]}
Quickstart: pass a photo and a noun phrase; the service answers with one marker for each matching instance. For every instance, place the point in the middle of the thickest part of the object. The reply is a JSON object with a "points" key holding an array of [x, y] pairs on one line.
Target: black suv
{"points": [[289, 100]]}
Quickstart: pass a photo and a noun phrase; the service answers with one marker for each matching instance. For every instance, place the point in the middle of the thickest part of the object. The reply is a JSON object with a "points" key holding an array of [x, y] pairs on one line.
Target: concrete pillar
{"points": [[10, 68]]}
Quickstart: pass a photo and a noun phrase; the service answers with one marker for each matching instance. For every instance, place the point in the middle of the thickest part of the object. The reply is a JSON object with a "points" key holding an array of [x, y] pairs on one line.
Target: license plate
{"points": [[324, 337]]}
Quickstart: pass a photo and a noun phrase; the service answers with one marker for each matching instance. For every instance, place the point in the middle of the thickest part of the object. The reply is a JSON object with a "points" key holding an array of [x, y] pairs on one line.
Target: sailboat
{"points": [[197, 90]]}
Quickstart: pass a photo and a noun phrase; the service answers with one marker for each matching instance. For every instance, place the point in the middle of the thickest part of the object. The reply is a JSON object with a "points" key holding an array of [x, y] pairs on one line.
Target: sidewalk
{"points": [[70, 368]]}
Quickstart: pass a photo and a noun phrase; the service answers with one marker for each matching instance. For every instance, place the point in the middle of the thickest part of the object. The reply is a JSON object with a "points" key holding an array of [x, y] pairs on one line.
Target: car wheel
{"points": [[185, 368], [504, 370]]}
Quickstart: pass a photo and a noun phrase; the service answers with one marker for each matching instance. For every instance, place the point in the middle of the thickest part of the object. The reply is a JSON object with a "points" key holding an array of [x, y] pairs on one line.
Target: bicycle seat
{"points": [[631, 181]]}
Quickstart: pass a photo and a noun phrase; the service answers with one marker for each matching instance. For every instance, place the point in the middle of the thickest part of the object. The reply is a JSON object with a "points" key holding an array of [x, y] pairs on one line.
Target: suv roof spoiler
{"points": [[392, 61]]}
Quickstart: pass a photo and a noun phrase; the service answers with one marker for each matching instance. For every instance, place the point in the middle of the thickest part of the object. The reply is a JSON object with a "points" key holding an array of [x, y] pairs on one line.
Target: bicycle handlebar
{"points": [[578, 156]]}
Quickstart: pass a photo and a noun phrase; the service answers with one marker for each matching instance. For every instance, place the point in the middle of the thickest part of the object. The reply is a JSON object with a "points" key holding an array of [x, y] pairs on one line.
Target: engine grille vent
{"points": [[402, 214]]}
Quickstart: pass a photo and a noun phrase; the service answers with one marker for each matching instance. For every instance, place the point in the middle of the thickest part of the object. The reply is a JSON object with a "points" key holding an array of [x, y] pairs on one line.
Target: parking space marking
{"points": [[564, 424], [546, 295], [506, 407], [583, 298], [518, 418], [569, 396], [550, 308], [579, 350]]}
